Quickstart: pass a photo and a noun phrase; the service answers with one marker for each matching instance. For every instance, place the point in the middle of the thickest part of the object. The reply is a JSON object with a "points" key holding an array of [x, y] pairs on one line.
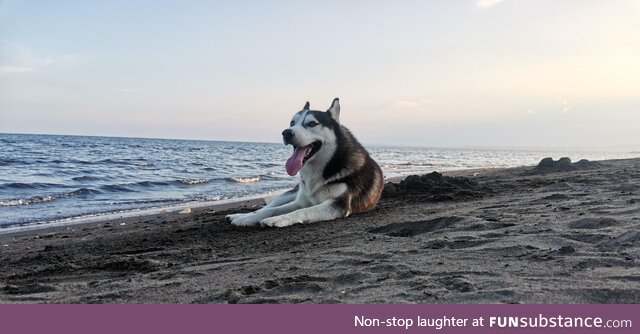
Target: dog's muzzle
{"points": [[287, 136]]}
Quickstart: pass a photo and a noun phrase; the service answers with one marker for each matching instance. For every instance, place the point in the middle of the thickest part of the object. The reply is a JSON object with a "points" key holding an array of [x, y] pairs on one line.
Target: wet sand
{"points": [[555, 233]]}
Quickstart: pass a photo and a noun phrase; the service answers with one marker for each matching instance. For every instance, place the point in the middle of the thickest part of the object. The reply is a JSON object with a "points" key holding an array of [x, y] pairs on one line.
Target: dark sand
{"points": [[550, 234]]}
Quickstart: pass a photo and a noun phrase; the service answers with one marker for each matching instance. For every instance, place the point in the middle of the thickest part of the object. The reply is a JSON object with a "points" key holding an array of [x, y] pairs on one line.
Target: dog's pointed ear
{"points": [[334, 111], [306, 106]]}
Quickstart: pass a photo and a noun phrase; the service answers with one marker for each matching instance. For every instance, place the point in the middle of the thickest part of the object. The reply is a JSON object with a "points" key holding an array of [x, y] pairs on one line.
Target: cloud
{"points": [[16, 69], [406, 104], [125, 90], [17, 59], [487, 3], [413, 106], [564, 104]]}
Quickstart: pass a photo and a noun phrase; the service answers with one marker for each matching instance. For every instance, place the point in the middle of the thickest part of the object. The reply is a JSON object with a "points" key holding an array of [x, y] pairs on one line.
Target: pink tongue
{"points": [[294, 163]]}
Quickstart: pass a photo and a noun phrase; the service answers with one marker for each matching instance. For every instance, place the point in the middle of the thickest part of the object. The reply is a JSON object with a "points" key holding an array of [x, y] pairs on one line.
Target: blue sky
{"points": [[427, 73]]}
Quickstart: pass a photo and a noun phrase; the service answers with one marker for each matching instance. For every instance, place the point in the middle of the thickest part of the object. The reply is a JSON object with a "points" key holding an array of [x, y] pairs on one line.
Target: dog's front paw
{"points": [[245, 220], [279, 221], [233, 216]]}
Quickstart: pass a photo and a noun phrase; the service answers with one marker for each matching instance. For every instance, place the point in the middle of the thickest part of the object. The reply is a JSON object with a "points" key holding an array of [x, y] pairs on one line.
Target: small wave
{"points": [[205, 198], [140, 163], [117, 188], [86, 178], [130, 187], [83, 191], [35, 185], [144, 185], [145, 165], [47, 198], [192, 182], [149, 201], [269, 164], [148, 184], [245, 179], [11, 161], [274, 176]]}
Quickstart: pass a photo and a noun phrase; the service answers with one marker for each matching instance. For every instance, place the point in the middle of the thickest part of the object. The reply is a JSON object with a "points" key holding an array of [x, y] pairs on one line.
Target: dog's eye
{"points": [[292, 123], [312, 124]]}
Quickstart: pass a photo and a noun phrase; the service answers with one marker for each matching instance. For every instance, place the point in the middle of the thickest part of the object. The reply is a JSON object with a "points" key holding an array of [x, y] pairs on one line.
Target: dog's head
{"points": [[309, 132]]}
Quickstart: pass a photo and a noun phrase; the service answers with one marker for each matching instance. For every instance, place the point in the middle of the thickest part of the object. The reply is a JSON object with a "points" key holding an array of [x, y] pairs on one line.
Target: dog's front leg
{"points": [[326, 210], [255, 217], [285, 198]]}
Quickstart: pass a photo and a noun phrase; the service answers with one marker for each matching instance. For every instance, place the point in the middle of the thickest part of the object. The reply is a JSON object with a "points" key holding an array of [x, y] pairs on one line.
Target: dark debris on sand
{"points": [[548, 165], [435, 187]]}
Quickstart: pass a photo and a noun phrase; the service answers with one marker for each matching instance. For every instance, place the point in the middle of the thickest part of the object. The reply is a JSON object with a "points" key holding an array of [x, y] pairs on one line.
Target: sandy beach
{"points": [[560, 232]]}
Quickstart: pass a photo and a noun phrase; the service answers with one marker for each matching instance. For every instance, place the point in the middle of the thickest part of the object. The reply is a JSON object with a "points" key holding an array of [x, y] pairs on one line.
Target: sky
{"points": [[521, 73]]}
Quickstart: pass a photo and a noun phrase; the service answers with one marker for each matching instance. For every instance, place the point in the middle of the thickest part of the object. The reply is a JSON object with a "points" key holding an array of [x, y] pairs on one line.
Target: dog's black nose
{"points": [[287, 135]]}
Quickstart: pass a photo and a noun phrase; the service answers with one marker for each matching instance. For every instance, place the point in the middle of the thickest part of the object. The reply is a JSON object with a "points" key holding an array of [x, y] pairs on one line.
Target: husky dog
{"points": [[337, 175]]}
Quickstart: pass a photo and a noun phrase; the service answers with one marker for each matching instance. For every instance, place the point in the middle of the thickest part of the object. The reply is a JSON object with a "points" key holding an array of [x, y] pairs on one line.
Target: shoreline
{"points": [[251, 201], [518, 235], [222, 205]]}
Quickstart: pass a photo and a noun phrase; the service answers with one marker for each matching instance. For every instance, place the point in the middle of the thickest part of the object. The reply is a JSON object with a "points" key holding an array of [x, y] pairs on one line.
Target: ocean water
{"points": [[46, 178]]}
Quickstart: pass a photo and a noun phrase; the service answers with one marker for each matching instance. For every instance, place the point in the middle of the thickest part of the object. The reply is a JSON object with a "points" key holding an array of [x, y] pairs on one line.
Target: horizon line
{"points": [[630, 147]]}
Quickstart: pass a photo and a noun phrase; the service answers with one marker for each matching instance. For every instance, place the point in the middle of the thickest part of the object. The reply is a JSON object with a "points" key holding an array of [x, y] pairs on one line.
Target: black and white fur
{"points": [[337, 178]]}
